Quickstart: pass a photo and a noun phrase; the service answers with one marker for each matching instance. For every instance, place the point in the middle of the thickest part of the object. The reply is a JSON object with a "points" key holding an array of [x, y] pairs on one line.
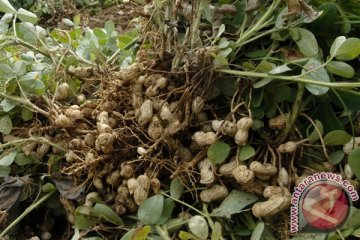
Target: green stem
{"points": [[26, 212], [163, 233], [294, 113], [16, 143], [185, 204], [259, 24], [291, 78]]}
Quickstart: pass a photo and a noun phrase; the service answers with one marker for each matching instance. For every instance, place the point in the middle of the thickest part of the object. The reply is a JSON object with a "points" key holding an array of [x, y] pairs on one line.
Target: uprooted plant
{"points": [[229, 101]]}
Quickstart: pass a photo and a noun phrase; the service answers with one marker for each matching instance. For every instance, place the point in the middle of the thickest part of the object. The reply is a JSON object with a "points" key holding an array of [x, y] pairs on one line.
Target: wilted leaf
{"points": [[67, 187], [256, 235], [151, 209], [176, 188], [199, 227], [314, 71], [187, 236], [235, 202], [341, 69], [305, 40], [349, 49], [246, 152], [218, 152], [337, 137], [354, 162], [106, 213], [336, 157]]}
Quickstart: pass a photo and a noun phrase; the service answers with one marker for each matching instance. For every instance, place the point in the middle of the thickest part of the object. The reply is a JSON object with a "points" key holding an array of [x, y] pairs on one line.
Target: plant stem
{"points": [[26, 103], [259, 24], [163, 233], [291, 78], [26, 212], [294, 113]]}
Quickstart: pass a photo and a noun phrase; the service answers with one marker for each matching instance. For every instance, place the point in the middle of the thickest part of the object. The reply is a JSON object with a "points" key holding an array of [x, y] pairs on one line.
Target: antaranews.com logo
{"points": [[321, 203]]}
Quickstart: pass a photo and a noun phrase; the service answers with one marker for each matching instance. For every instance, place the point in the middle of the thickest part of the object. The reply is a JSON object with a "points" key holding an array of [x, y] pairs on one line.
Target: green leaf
{"points": [[21, 159], [6, 7], [151, 209], [20, 67], [5, 171], [199, 227], [26, 114], [7, 105], [336, 137], [5, 125], [235, 202], [128, 235], [109, 27], [26, 16], [336, 157], [83, 217], [246, 152], [314, 136], [168, 208], [8, 159], [216, 231], [218, 152], [305, 40], [256, 235], [341, 69], [105, 212], [176, 188], [349, 50], [354, 162], [315, 71], [336, 45], [48, 187]]}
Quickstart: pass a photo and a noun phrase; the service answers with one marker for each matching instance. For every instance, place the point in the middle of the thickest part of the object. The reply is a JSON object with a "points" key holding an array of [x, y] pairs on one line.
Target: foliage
{"points": [[266, 62]]}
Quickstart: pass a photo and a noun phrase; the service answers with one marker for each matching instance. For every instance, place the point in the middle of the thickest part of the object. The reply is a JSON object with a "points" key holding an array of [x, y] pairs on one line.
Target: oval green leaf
{"points": [[336, 137], [6, 7], [336, 157], [336, 45], [151, 209], [218, 152], [305, 40], [246, 152], [341, 69], [5, 125], [26, 16], [176, 188], [199, 227], [106, 213], [349, 50], [315, 71]]}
